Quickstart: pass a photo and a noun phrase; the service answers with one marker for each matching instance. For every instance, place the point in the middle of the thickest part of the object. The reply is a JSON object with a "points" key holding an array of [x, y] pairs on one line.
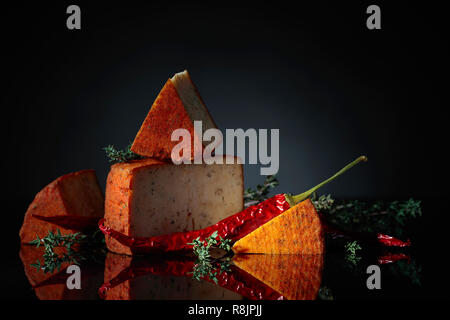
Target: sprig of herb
{"points": [[351, 249], [115, 155], [261, 193], [52, 261], [201, 247], [210, 269], [378, 216], [324, 202], [206, 266]]}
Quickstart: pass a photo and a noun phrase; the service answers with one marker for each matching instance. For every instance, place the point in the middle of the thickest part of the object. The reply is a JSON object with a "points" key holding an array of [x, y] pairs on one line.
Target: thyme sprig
{"points": [[206, 266], [324, 202], [201, 247], [210, 269], [351, 249], [52, 261], [378, 216], [125, 155], [254, 196]]}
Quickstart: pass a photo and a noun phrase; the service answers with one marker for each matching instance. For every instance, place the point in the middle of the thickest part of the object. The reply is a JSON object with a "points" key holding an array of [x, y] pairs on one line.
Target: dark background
{"points": [[335, 89]]}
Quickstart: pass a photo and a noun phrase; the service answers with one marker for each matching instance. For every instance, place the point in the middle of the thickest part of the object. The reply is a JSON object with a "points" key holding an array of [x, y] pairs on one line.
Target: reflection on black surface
{"points": [[250, 276], [255, 277], [295, 277], [154, 277], [52, 286]]}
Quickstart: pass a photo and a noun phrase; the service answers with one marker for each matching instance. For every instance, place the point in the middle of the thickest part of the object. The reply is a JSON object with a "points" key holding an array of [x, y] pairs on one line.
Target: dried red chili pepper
{"points": [[371, 238], [235, 279], [233, 227], [389, 241]]}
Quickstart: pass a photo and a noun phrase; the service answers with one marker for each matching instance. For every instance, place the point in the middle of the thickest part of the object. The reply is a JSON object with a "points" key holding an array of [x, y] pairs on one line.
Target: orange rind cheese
{"points": [[177, 106], [295, 231], [75, 194]]}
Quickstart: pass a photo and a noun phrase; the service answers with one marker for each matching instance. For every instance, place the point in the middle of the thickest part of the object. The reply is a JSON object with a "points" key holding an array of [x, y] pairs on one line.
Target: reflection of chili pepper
{"points": [[235, 280], [233, 227], [393, 257]]}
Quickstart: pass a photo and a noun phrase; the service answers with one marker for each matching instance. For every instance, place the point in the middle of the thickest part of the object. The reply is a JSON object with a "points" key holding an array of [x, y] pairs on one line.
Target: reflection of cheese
{"points": [[295, 231], [74, 194], [52, 286], [177, 106], [148, 197], [296, 277], [160, 286]]}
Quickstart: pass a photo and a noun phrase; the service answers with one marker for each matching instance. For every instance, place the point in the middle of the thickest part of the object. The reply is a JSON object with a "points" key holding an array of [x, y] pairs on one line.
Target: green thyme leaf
{"points": [[261, 193], [351, 248], [115, 155]]}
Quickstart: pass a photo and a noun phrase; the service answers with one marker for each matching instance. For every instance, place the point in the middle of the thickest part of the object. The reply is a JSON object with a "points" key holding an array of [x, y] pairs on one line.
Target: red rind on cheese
{"points": [[177, 106], [147, 197], [73, 195], [295, 231]]}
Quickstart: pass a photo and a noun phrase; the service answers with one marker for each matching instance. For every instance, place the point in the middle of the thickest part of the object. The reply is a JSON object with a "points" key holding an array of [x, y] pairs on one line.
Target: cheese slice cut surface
{"points": [[295, 231], [177, 106], [75, 194], [149, 197], [294, 276]]}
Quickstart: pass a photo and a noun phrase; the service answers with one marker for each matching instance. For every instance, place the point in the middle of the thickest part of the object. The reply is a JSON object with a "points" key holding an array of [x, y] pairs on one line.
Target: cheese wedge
{"points": [[75, 194], [295, 277], [177, 106], [150, 197], [295, 231]]}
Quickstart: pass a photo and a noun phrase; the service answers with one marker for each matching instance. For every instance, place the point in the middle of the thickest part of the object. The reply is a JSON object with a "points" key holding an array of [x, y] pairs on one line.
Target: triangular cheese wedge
{"points": [[177, 106], [73, 195], [295, 231], [295, 277]]}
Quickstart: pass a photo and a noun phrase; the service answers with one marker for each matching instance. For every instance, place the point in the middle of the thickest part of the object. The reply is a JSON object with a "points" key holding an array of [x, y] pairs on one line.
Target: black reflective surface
{"points": [[418, 274]]}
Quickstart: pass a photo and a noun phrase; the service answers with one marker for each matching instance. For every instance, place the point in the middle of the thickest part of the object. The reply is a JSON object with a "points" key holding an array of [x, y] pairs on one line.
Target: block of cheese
{"points": [[298, 230], [70, 196], [177, 106], [150, 197], [294, 276]]}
